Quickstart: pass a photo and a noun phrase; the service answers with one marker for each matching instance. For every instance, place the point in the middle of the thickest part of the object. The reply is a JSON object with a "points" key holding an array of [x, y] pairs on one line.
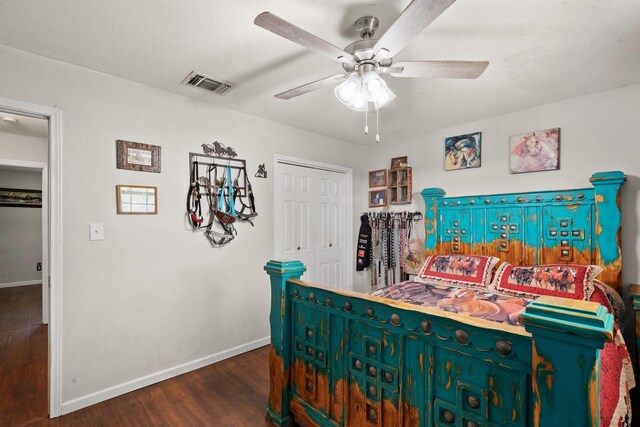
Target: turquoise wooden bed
{"points": [[346, 358]]}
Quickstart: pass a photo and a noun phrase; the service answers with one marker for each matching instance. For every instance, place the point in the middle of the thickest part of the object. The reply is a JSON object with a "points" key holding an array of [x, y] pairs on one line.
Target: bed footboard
{"points": [[342, 358]]}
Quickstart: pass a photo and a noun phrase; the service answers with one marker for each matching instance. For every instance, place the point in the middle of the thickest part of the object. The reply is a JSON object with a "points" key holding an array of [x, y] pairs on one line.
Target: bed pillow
{"points": [[561, 280], [460, 270]]}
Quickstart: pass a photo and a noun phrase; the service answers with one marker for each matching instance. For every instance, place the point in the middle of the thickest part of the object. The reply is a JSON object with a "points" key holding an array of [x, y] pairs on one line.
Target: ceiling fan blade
{"points": [[301, 90], [411, 22], [279, 26], [435, 69]]}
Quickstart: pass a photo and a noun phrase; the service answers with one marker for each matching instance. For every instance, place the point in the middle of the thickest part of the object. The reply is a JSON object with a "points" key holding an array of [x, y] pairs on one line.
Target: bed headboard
{"points": [[579, 226]]}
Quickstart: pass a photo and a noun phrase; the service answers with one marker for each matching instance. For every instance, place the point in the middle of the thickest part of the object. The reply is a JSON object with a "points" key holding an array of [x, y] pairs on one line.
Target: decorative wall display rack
{"points": [[388, 248], [219, 194]]}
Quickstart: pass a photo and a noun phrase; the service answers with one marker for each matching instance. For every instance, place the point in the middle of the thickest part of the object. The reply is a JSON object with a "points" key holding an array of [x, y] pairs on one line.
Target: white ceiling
{"points": [[539, 51]]}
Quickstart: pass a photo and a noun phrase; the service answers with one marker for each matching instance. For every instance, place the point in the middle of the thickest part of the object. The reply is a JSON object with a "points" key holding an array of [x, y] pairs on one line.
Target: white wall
{"points": [[20, 232], [22, 147], [598, 132], [153, 295]]}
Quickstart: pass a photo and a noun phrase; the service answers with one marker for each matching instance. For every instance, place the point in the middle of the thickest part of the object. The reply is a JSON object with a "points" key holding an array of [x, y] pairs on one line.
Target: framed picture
{"points": [[397, 162], [462, 151], [535, 151], [377, 198], [13, 197], [136, 156], [136, 200], [378, 178]]}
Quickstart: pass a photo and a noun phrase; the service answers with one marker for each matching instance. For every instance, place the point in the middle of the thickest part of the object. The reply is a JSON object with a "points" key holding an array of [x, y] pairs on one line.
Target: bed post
{"points": [[608, 254], [431, 197], [567, 336], [280, 354]]}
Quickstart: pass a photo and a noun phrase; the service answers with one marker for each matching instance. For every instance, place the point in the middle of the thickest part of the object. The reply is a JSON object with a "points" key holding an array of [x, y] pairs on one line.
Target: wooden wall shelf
{"points": [[400, 186]]}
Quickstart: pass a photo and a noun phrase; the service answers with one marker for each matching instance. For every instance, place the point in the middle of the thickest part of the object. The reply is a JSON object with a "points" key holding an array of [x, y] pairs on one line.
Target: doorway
{"points": [[24, 252], [48, 296], [312, 211]]}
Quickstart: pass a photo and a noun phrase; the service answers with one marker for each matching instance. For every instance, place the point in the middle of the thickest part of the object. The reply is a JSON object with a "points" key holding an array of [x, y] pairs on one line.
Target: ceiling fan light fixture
{"points": [[371, 85], [358, 101], [345, 90], [383, 97]]}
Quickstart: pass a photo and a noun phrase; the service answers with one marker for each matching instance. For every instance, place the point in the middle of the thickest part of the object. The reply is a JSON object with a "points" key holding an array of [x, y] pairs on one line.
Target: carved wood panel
{"points": [[373, 371]]}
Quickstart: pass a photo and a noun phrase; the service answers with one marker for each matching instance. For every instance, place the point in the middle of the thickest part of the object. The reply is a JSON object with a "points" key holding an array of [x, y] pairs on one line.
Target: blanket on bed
{"points": [[616, 372]]}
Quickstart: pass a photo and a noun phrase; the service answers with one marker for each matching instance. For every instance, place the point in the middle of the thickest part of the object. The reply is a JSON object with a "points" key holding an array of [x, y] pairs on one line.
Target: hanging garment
{"points": [[364, 244]]}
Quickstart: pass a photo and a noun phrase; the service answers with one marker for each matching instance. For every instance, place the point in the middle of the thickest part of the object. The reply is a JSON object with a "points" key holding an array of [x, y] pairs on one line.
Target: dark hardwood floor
{"points": [[23, 356], [230, 393]]}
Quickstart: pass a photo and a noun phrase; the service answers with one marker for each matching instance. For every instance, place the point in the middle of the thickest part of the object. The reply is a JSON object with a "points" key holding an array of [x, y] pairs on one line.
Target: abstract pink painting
{"points": [[535, 151]]}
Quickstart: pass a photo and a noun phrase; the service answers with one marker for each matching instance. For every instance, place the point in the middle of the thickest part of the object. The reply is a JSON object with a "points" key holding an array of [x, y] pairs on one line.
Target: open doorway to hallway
{"points": [[24, 266]]}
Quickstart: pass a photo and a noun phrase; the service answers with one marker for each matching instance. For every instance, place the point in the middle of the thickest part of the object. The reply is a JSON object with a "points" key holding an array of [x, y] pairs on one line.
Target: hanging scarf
{"points": [[226, 211]]}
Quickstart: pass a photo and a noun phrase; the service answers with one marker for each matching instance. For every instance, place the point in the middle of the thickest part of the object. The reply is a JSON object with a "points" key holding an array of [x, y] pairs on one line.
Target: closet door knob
{"points": [[330, 245], [298, 247]]}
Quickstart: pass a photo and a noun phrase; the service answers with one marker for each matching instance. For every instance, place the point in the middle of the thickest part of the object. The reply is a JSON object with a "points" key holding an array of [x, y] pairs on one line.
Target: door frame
{"points": [[348, 172], [54, 241]]}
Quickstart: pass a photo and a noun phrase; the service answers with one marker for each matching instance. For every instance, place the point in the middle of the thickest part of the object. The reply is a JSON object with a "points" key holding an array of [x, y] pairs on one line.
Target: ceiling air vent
{"points": [[205, 82]]}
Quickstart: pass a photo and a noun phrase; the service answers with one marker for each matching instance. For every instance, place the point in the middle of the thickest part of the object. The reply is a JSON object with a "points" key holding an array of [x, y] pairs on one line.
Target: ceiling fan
{"points": [[365, 59]]}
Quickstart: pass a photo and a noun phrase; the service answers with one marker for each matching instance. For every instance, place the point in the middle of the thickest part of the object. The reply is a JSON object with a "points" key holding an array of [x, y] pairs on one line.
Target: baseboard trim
{"points": [[117, 390], [25, 283]]}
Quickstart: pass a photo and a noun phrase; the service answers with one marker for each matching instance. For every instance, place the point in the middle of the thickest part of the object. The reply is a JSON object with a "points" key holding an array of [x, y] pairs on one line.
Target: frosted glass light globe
{"points": [[358, 100], [382, 97], [373, 85], [344, 91]]}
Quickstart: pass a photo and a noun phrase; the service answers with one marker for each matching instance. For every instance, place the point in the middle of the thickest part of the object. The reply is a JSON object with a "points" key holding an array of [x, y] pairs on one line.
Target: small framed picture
{"points": [[136, 156], [462, 151], [377, 198], [13, 197], [399, 162], [378, 178], [535, 151], [136, 200]]}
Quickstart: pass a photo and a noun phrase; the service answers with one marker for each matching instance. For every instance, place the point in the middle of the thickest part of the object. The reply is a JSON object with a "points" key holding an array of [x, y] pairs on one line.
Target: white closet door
{"points": [[294, 231], [332, 216], [311, 222]]}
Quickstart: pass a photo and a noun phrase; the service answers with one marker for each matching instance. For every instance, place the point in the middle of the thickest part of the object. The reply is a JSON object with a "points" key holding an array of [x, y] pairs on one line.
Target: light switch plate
{"points": [[96, 231]]}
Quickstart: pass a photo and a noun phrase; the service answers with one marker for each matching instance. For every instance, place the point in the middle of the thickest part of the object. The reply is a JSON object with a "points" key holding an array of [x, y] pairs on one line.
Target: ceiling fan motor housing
{"points": [[367, 26]]}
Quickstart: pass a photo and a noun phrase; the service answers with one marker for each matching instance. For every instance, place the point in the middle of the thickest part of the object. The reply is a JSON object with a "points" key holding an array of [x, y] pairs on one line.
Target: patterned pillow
{"points": [[465, 270], [561, 280]]}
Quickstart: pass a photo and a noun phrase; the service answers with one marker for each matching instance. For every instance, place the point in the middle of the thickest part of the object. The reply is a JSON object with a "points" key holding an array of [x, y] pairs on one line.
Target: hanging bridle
{"points": [[194, 208], [240, 213]]}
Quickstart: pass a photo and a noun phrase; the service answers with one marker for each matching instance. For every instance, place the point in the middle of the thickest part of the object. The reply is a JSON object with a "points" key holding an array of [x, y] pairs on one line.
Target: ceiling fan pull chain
{"points": [[377, 126], [366, 122]]}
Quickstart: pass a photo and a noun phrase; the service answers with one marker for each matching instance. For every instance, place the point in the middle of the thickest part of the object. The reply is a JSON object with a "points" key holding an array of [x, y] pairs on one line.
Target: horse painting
{"points": [[535, 151], [462, 151]]}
